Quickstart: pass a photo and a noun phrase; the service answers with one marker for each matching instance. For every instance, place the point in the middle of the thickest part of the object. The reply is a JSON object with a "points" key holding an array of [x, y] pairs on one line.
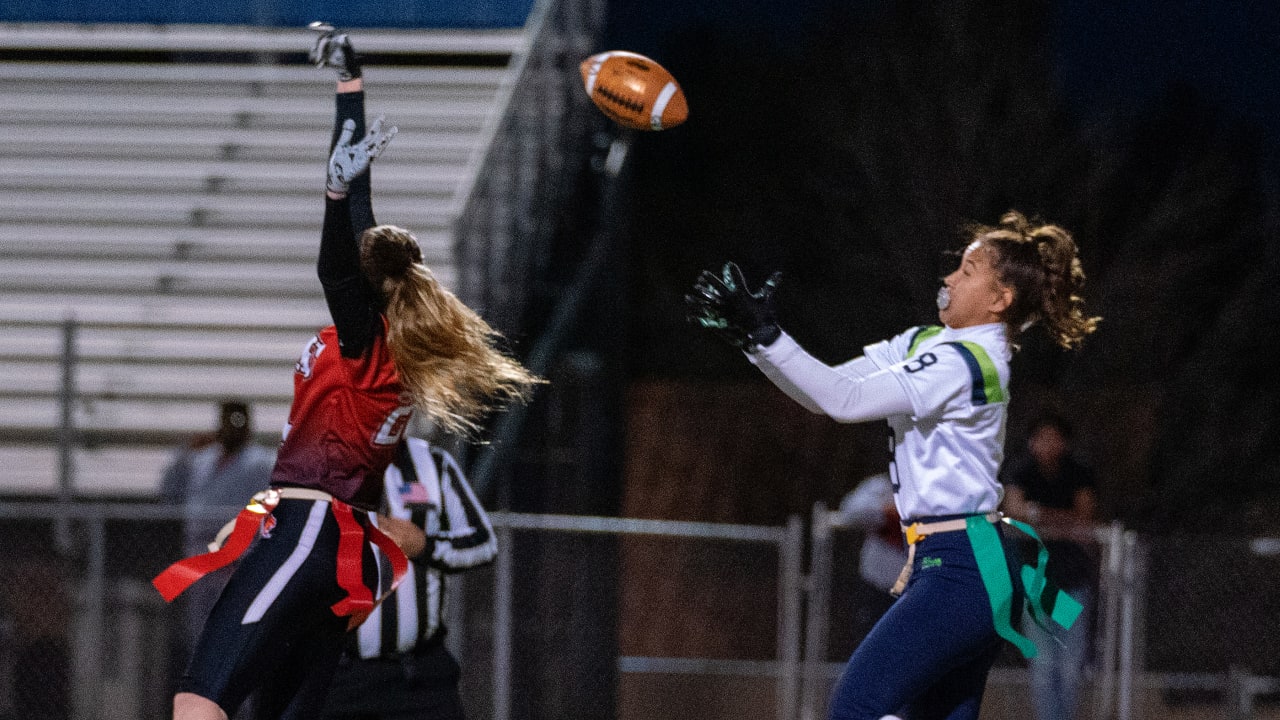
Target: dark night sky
{"points": [[1158, 173], [1111, 56]]}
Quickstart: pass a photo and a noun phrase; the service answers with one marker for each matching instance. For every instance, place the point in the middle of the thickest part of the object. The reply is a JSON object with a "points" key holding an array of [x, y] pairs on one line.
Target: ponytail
{"points": [[445, 353], [1040, 263]]}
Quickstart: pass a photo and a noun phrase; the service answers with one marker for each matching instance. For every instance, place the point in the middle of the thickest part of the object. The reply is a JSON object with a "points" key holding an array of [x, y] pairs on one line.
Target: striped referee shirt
{"points": [[424, 484]]}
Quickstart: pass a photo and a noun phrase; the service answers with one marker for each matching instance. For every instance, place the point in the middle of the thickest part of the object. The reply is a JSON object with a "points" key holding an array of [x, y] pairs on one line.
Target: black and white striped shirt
{"points": [[424, 484]]}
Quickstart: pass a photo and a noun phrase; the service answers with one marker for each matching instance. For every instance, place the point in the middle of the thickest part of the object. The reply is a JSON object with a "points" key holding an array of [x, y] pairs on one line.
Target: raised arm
{"points": [[353, 302], [845, 396], [852, 392]]}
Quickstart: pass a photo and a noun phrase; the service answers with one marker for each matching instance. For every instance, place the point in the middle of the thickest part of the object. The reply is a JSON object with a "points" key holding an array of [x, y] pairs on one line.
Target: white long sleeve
{"points": [[855, 391]]}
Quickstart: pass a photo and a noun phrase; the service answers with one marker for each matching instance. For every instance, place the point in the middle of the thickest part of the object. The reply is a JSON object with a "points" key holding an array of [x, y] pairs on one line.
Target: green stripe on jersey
{"points": [[923, 333], [986, 379]]}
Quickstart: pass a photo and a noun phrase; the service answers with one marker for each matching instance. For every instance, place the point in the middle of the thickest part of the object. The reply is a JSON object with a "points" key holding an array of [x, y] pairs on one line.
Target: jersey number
{"points": [[921, 363], [893, 466], [393, 426]]}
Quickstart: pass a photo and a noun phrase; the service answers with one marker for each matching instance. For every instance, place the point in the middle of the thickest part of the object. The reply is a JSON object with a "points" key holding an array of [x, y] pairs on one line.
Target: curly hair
{"points": [[445, 353], [1040, 263]]}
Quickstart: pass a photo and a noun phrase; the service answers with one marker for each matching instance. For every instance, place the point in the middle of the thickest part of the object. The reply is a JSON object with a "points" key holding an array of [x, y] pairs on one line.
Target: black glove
{"points": [[724, 303]]}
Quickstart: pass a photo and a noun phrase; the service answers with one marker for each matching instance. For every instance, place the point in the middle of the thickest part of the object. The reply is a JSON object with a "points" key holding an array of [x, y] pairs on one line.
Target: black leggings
{"points": [[273, 628]]}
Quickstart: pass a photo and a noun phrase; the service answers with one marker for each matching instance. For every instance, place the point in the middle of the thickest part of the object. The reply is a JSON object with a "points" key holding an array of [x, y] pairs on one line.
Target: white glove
{"points": [[349, 159]]}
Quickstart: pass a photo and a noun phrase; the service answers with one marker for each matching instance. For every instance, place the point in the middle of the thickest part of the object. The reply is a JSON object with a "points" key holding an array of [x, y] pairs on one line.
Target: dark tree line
{"points": [[853, 159]]}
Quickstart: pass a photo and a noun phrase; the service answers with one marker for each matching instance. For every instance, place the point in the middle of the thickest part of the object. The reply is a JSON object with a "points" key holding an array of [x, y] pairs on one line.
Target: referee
{"points": [[396, 666]]}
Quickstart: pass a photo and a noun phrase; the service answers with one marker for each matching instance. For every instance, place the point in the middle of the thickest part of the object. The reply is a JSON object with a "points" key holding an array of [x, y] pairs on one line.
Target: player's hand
{"points": [[724, 303], [350, 159], [334, 51], [409, 537]]}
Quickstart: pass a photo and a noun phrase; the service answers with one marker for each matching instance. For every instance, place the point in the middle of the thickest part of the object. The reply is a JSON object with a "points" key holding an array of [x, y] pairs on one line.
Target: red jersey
{"points": [[347, 416]]}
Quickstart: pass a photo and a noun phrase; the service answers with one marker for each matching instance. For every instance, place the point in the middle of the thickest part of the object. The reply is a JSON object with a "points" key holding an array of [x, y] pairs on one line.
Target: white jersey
{"points": [[947, 452], [944, 393]]}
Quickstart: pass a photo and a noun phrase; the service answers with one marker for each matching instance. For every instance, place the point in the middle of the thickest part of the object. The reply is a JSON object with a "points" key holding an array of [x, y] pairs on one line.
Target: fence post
{"points": [[91, 604], [1110, 590], [817, 617], [67, 439], [504, 575], [790, 607], [1239, 692], [1129, 615]]}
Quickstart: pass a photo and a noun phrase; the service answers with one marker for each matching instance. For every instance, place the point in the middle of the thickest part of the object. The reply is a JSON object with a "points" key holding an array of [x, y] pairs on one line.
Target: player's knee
{"points": [[189, 706]]}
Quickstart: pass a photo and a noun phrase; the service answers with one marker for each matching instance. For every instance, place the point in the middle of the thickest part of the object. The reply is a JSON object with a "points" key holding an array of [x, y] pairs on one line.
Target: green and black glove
{"points": [[745, 318]]}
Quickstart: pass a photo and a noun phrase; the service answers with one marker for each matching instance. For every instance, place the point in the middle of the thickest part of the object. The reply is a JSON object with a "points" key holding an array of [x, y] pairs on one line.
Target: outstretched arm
{"points": [[352, 301], [840, 393], [852, 392]]}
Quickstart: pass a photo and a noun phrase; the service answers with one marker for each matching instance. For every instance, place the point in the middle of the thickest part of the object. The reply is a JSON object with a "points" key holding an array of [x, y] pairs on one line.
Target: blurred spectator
{"points": [[396, 666], [869, 508], [1054, 491], [222, 469]]}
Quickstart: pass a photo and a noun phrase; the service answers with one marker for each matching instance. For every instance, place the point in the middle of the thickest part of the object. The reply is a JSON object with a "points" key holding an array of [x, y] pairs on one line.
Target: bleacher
{"points": [[161, 196]]}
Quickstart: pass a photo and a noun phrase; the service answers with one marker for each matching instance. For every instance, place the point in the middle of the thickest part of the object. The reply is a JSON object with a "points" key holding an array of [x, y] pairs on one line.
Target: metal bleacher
{"points": [[160, 206]]}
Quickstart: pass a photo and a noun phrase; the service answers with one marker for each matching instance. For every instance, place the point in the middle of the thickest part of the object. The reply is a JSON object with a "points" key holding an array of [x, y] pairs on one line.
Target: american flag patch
{"points": [[414, 493]]}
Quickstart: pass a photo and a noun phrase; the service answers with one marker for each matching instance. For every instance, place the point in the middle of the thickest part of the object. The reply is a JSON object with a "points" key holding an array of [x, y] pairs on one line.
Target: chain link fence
{"points": [[1182, 628], [578, 617], [605, 617]]}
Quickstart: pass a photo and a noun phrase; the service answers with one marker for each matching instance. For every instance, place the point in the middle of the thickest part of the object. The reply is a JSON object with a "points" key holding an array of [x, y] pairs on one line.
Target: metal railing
{"points": [[1115, 669], [787, 541], [117, 615], [1127, 678], [1163, 605]]}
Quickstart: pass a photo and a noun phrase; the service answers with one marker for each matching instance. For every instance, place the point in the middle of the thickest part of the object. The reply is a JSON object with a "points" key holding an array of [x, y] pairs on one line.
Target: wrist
{"points": [[763, 336]]}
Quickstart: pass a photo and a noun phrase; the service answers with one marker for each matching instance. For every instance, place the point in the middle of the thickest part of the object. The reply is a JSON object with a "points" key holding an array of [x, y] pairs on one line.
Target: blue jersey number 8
{"points": [[921, 363]]}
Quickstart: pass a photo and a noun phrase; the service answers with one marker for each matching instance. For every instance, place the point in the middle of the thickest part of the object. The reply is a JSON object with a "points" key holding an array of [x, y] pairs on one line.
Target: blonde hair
{"points": [[445, 353], [1040, 263]]}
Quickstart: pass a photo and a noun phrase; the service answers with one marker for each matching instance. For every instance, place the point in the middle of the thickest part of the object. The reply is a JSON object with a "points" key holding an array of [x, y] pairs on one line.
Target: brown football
{"points": [[634, 91]]}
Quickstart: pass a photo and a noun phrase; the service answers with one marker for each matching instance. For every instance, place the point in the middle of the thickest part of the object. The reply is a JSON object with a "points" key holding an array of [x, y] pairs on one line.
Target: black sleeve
{"points": [[352, 301], [351, 106]]}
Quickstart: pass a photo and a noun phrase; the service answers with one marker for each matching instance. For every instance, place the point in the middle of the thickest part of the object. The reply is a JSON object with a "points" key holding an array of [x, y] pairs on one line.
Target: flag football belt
{"points": [[1045, 600], [256, 518]]}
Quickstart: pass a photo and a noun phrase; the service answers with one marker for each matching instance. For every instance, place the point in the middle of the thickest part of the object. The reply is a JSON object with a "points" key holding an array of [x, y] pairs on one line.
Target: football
{"points": [[634, 91]]}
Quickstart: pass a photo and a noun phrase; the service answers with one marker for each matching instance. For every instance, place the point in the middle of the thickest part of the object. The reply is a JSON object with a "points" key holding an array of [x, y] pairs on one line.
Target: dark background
{"points": [[848, 143]]}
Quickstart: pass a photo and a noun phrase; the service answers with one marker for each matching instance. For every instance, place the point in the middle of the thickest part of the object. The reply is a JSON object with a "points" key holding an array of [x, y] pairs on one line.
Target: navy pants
{"points": [[272, 629], [929, 655]]}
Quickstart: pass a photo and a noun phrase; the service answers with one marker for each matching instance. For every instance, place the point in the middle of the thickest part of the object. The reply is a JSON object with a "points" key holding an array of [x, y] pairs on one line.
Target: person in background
{"points": [[1050, 488], [304, 549], [396, 665], [218, 470], [869, 508], [944, 391]]}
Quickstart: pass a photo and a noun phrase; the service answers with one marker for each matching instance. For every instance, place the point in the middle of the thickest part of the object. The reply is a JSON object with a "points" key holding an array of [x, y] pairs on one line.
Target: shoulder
{"points": [[900, 346], [917, 335], [988, 372], [445, 461]]}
